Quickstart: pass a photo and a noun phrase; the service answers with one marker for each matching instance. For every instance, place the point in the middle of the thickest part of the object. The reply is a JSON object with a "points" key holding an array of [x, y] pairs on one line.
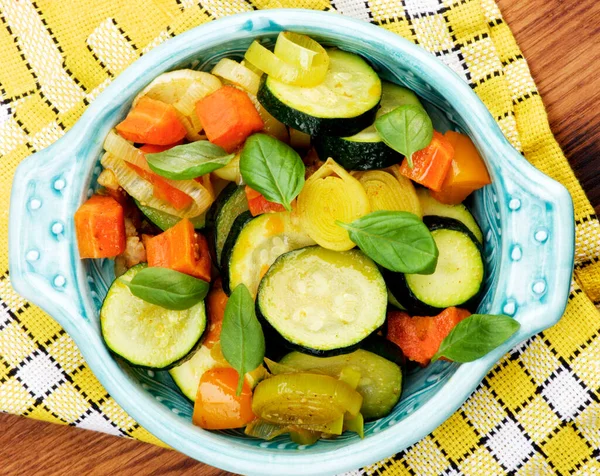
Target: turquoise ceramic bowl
{"points": [[526, 218]]}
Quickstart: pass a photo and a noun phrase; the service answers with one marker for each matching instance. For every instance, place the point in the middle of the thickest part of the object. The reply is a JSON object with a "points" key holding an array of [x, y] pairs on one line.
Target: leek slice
{"points": [[298, 60], [331, 194], [237, 74], [389, 192], [172, 86], [231, 172], [410, 198]]}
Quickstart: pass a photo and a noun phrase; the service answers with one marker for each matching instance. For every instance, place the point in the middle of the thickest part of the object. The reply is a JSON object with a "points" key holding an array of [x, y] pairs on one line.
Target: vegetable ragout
{"points": [[288, 231]]}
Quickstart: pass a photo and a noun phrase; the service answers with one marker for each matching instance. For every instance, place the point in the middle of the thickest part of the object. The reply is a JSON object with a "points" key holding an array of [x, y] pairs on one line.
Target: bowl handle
{"points": [[537, 214]]}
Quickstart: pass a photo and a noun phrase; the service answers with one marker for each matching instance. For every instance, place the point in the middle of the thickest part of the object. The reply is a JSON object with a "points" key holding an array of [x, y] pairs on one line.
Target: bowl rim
{"points": [[203, 445]]}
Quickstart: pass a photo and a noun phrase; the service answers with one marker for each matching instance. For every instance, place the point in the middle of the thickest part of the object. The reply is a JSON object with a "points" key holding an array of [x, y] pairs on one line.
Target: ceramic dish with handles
{"points": [[526, 219]]}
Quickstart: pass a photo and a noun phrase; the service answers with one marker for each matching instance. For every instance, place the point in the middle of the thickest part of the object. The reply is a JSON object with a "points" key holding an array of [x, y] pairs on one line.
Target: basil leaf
{"points": [[475, 336], [406, 129], [242, 338], [167, 288], [272, 168], [188, 161], [398, 241]]}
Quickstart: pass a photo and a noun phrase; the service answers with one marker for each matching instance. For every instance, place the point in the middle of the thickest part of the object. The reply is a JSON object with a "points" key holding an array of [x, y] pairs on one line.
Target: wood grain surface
{"points": [[560, 41]]}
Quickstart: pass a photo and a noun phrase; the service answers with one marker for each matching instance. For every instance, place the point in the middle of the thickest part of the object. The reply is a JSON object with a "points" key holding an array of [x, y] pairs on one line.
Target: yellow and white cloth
{"points": [[537, 412]]}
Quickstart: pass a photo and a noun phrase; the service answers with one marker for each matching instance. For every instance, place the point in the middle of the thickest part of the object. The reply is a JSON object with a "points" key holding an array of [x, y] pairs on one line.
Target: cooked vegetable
{"points": [[331, 194], [272, 168], [188, 161], [398, 241], [237, 74], [165, 220], [155, 149], [146, 334], [467, 172], [187, 375], [162, 189], [230, 172], [406, 129], [380, 382], [388, 191], [229, 117], [257, 245], [215, 307], [100, 228], [457, 278], [299, 139], [258, 204], [168, 288], [218, 407], [230, 203], [342, 105], [298, 60], [242, 339], [305, 399], [366, 150], [459, 212], [182, 249], [420, 337], [323, 301], [431, 164], [152, 122], [385, 348], [475, 336]]}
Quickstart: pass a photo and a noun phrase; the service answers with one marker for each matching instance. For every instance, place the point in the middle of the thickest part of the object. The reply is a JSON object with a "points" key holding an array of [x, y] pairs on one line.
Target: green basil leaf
{"points": [[167, 288], [475, 336], [398, 241], [406, 129], [242, 338], [272, 168], [188, 161]]}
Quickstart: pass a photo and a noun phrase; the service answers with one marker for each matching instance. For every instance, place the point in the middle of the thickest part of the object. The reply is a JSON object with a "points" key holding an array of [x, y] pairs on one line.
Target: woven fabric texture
{"points": [[537, 412]]}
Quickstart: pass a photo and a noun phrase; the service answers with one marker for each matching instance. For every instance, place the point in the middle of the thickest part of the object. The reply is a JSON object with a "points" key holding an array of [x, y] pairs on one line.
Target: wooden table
{"points": [[561, 44]]}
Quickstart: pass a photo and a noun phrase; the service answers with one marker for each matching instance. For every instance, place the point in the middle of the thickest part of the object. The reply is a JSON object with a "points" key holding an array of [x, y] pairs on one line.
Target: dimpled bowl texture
{"points": [[526, 219]]}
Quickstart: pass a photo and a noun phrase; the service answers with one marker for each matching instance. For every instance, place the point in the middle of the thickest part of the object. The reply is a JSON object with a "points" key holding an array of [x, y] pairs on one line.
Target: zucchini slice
{"points": [[457, 278], [342, 105], [366, 150], [145, 334], [257, 243], [165, 220], [380, 381], [322, 301], [230, 203], [459, 212]]}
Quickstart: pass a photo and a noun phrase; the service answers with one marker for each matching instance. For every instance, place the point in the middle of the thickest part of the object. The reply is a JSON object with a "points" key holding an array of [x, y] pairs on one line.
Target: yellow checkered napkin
{"points": [[537, 412]]}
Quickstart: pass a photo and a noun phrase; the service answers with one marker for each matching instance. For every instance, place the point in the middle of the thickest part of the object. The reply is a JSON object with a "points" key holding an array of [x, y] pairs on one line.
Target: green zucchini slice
{"points": [[145, 334], [366, 150], [322, 301], [457, 278], [342, 105], [380, 381], [165, 220], [259, 242]]}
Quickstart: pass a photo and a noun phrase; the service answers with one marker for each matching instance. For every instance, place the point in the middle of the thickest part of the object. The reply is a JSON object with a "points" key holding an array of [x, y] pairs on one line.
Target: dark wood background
{"points": [[560, 40]]}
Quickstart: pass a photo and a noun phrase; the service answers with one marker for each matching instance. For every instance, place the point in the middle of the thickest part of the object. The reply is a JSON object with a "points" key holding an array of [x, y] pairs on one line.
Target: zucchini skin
{"points": [[402, 292], [314, 126], [356, 155], [384, 348], [240, 222]]}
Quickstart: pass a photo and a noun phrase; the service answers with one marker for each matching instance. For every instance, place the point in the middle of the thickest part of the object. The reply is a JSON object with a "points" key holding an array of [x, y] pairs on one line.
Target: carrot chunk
{"points": [[155, 149], [420, 337], [228, 117], [100, 228], [431, 164], [215, 307], [467, 172], [258, 204], [182, 249], [152, 122]]}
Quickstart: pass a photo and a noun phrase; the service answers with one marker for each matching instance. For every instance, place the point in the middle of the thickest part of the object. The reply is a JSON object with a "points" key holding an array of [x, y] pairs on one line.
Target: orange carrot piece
{"points": [[217, 406], [431, 164], [215, 307], [258, 204], [182, 249], [155, 149], [228, 117], [100, 228], [420, 337], [467, 172], [152, 122]]}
